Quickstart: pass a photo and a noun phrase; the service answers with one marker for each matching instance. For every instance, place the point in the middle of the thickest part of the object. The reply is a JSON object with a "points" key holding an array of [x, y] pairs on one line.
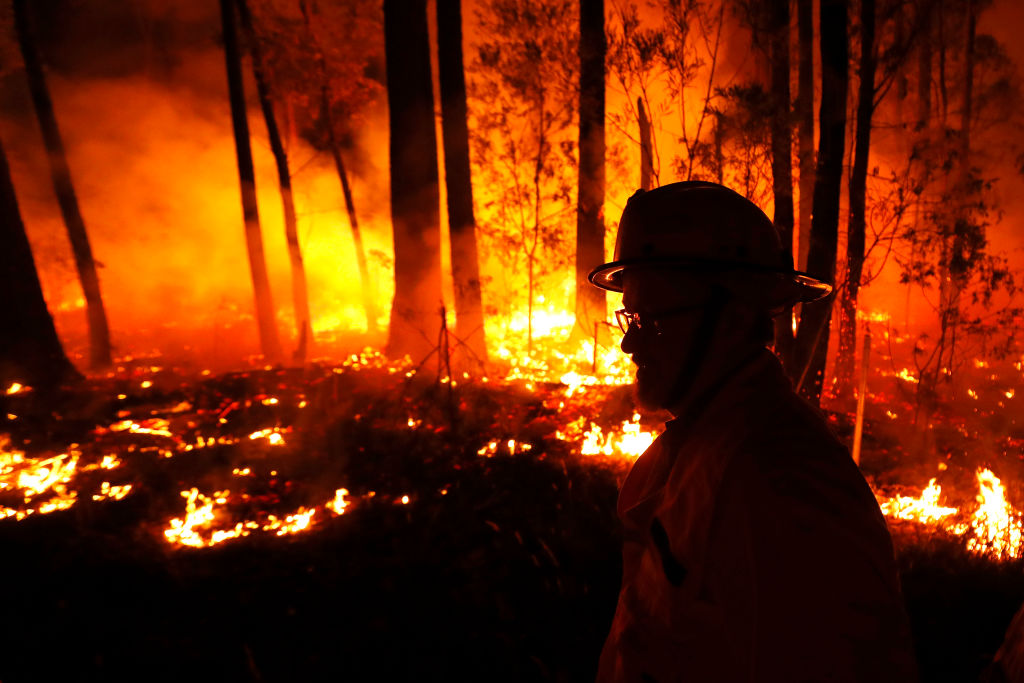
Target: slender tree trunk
{"points": [[369, 291], [469, 315], [532, 255], [924, 73], [941, 42], [415, 201], [968, 108], [719, 153], [856, 222], [812, 336], [300, 297], [30, 351], [646, 147], [591, 304], [782, 155], [805, 118], [60, 174], [265, 315]]}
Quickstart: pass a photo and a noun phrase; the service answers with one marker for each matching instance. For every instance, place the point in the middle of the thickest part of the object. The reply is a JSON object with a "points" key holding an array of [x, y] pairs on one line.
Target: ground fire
{"points": [[155, 424]]}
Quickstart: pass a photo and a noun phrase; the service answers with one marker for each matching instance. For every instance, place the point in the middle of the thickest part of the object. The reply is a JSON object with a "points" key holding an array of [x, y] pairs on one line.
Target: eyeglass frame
{"points": [[627, 320]]}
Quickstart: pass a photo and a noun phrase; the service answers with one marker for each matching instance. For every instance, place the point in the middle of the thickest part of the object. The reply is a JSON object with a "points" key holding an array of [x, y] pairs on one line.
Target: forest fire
{"points": [[167, 427], [309, 281]]}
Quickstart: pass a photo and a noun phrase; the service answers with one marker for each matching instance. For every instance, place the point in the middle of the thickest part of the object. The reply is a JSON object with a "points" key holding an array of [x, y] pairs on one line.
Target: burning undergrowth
{"points": [[373, 518]]}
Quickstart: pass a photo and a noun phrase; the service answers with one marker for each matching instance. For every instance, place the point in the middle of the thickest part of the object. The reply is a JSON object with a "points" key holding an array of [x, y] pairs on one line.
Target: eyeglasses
{"points": [[649, 321]]}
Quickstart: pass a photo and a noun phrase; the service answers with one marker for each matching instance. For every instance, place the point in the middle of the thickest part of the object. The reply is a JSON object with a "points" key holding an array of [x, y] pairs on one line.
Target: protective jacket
{"points": [[754, 550]]}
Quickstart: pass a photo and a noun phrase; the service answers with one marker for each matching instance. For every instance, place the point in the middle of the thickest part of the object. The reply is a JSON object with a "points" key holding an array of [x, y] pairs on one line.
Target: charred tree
{"points": [[805, 123], [415, 201], [469, 315], [265, 316], [300, 296], [811, 346], [856, 222], [60, 174], [591, 306], [334, 144], [782, 155], [30, 351]]}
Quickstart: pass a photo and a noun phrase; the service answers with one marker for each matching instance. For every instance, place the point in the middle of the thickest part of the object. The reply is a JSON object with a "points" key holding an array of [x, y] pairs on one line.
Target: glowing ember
{"points": [[273, 436], [183, 531], [292, 524], [109, 492], [15, 388], [907, 376], [338, 504], [154, 427], [199, 527]]}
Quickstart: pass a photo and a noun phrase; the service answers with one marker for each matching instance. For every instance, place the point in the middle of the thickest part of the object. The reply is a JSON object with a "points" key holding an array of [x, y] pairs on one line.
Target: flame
{"points": [[995, 529], [199, 527], [628, 441], [924, 509]]}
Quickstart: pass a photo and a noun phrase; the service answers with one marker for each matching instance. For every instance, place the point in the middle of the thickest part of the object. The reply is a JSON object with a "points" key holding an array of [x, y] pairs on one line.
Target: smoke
{"points": [[152, 157]]}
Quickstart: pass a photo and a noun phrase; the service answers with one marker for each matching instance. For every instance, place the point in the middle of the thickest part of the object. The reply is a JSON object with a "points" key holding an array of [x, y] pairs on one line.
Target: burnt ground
{"points": [[499, 568]]}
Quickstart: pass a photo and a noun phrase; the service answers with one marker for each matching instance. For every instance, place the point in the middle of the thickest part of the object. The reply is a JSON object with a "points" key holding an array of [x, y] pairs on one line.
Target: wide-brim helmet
{"points": [[707, 228]]}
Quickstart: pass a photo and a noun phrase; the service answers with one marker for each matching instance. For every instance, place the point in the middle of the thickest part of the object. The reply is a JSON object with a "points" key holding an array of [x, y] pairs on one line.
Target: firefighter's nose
{"points": [[630, 340]]}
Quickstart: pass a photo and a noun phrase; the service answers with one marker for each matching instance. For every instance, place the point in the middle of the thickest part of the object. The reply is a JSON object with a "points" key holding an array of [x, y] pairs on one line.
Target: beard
{"points": [[653, 389]]}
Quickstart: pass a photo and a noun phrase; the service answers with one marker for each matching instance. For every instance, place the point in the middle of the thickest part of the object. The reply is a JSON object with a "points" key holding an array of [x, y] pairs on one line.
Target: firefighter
{"points": [[753, 548]]}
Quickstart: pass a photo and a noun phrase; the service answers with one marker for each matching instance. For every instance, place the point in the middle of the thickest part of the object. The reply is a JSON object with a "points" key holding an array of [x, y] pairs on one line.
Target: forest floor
{"points": [[365, 522]]}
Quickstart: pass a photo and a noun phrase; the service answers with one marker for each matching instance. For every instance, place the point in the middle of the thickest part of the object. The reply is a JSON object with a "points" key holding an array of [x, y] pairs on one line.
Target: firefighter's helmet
{"points": [[707, 228]]}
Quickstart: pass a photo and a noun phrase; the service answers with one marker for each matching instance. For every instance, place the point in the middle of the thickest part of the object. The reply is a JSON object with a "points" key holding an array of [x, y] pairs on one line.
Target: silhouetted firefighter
{"points": [[754, 549]]}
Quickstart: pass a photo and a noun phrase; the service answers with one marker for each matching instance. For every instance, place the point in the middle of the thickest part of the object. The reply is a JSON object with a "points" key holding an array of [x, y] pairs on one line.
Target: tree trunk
{"points": [[805, 118], [591, 304], [646, 147], [415, 201], [300, 297], [369, 291], [30, 351], [782, 156], [60, 174], [924, 73], [856, 222], [265, 315], [469, 315], [812, 337]]}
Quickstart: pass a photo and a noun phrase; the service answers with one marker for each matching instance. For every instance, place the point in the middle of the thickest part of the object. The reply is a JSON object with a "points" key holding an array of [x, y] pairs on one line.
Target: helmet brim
{"points": [[789, 287]]}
